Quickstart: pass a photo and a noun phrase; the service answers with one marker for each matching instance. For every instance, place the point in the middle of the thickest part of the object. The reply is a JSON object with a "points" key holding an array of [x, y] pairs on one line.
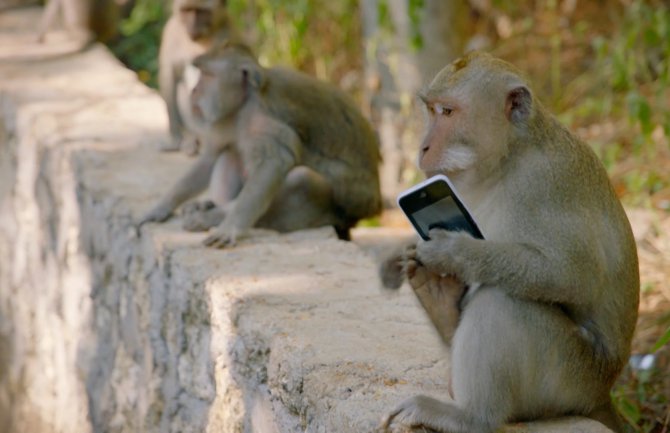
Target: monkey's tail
{"points": [[608, 416]]}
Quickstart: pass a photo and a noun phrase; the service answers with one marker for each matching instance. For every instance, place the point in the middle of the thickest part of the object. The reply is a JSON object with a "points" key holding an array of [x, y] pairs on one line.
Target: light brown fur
{"points": [[184, 38], [283, 151], [552, 296]]}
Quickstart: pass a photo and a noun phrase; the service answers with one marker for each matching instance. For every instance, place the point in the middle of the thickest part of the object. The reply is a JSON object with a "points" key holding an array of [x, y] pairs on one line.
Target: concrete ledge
{"points": [[102, 329]]}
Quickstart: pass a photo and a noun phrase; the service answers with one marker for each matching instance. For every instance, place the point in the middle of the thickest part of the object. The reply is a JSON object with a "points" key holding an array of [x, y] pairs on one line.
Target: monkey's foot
{"points": [[201, 216], [190, 146], [418, 414], [443, 292], [169, 146], [221, 238], [159, 213]]}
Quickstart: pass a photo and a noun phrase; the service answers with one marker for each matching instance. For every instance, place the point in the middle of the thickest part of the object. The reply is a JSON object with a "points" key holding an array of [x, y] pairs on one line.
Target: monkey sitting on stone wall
{"points": [[282, 151], [193, 27], [540, 315]]}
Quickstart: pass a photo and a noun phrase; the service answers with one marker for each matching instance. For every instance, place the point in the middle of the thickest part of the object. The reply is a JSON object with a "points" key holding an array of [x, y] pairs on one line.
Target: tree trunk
{"points": [[401, 57]]}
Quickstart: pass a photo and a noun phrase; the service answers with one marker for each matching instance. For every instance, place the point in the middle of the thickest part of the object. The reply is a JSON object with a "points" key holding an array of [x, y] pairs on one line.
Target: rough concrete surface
{"points": [[103, 329]]}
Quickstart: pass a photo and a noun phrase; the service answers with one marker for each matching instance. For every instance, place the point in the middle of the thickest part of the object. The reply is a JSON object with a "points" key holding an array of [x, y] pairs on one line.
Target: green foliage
{"points": [[639, 398], [140, 41], [384, 18], [319, 37], [415, 7], [665, 339], [386, 25], [632, 77], [636, 64], [641, 394]]}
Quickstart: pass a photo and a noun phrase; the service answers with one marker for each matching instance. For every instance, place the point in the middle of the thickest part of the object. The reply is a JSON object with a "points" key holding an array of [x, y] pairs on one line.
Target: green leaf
{"points": [[665, 338], [629, 410], [384, 16]]}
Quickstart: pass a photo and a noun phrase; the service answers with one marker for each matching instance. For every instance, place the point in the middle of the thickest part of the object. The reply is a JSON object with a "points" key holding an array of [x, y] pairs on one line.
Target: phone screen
{"points": [[434, 204]]}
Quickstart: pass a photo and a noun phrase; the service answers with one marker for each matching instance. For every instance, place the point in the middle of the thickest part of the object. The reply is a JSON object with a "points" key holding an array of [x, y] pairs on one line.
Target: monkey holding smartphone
{"points": [[194, 27], [282, 151], [546, 324]]}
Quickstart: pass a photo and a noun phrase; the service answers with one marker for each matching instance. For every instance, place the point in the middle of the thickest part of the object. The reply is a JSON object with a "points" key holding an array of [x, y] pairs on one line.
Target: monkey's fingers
{"points": [[391, 272], [411, 266], [439, 254], [158, 214], [417, 274], [145, 219], [409, 253], [219, 240]]}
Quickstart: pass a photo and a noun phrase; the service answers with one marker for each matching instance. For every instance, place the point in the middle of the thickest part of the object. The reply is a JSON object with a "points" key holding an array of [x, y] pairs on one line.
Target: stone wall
{"points": [[106, 329]]}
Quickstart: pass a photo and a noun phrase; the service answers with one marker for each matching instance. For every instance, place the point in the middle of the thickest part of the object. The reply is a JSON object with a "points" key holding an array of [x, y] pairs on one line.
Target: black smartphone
{"points": [[433, 203]]}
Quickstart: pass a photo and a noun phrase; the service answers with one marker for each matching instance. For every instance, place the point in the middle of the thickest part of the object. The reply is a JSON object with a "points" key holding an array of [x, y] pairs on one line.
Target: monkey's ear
{"points": [[253, 77], [518, 105]]}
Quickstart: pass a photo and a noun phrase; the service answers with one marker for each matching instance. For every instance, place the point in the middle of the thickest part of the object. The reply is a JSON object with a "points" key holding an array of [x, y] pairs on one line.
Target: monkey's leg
{"points": [[439, 296], [182, 124], [227, 178], [48, 18], [168, 85], [77, 19], [514, 359], [422, 413], [304, 201]]}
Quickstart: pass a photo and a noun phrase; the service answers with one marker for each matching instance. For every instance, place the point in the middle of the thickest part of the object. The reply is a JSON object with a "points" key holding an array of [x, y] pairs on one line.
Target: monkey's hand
{"points": [[393, 268], [446, 253], [419, 413]]}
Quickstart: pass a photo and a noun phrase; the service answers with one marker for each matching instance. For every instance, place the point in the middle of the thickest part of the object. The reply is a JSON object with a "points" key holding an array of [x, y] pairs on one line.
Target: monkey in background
{"points": [[282, 151], [84, 20], [551, 295], [193, 27]]}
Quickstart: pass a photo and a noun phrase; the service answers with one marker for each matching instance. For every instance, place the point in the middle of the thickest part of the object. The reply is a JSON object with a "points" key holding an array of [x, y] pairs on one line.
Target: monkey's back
{"points": [[338, 142], [580, 204]]}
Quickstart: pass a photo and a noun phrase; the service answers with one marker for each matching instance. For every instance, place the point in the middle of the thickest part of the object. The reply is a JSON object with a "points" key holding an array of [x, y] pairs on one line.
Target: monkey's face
{"points": [[447, 146], [468, 120], [197, 20], [220, 91]]}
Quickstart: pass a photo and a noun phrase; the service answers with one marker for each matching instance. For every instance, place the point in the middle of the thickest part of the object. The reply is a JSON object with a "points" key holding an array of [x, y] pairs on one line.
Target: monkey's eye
{"points": [[441, 109]]}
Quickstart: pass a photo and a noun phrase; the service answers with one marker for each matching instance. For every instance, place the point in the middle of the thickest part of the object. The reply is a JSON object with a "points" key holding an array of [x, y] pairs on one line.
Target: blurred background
{"points": [[602, 66]]}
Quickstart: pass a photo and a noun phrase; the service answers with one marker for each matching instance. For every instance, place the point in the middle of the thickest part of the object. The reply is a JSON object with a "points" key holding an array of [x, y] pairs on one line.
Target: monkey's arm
{"points": [[194, 182], [553, 274], [274, 158], [167, 83]]}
